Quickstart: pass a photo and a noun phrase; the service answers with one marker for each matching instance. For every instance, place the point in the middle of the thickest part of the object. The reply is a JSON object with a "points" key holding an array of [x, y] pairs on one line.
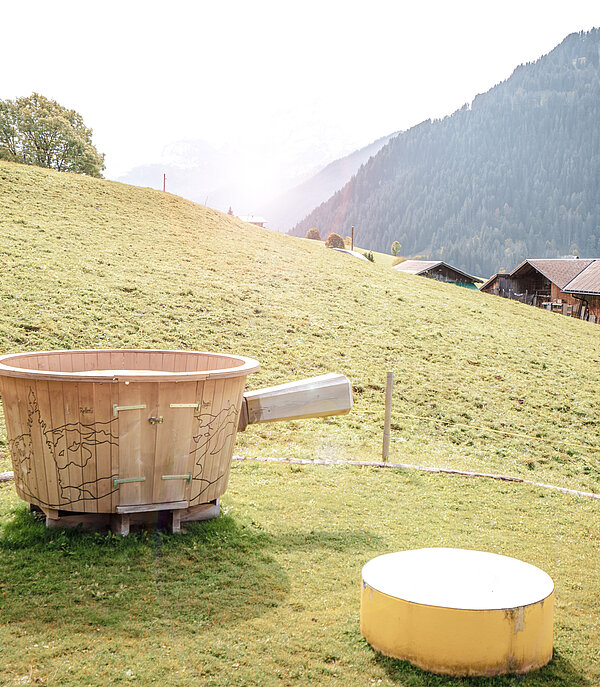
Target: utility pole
{"points": [[164, 182], [352, 240]]}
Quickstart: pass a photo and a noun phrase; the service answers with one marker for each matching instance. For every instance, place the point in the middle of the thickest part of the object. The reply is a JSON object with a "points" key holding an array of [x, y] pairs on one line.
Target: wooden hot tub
{"points": [[112, 434]]}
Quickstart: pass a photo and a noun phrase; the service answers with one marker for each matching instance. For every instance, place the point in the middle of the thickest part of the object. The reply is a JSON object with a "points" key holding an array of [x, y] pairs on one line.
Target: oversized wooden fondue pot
{"points": [[110, 436]]}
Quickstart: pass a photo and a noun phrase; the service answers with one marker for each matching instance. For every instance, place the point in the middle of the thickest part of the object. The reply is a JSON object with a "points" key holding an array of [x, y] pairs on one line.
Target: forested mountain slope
{"points": [[515, 174]]}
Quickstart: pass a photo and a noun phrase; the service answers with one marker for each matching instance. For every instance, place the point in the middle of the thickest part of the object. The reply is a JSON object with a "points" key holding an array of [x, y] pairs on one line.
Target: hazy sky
{"points": [[265, 75]]}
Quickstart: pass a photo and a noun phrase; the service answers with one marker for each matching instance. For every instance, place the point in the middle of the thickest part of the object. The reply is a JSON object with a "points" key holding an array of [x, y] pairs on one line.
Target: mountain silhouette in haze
{"points": [[254, 180], [287, 209]]}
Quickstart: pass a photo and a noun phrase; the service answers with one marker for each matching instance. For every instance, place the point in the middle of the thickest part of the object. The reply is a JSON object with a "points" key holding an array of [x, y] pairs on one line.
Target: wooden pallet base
{"points": [[162, 516]]}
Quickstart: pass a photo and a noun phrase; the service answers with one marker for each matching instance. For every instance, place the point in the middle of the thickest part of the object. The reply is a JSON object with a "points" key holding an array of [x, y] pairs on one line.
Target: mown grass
{"points": [[269, 593], [90, 263]]}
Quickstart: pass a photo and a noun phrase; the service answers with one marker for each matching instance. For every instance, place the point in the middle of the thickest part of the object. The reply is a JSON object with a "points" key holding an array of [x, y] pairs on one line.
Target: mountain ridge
{"points": [[513, 174], [296, 202]]}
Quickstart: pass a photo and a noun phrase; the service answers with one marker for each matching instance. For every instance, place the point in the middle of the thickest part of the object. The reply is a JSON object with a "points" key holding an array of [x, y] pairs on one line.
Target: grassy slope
{"points": [[89, 263]]}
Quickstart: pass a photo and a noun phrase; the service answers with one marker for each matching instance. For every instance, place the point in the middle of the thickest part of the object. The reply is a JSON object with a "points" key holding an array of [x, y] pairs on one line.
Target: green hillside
{"points": [[268, 593], [90, 263]]}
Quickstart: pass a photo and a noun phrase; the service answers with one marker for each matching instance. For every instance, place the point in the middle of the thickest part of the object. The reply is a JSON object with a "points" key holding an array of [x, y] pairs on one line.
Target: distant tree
{"points": [[38, 131], [230, 211], [369, 255], [335, 241], [313, 233], [396, 248], [348, 241]]}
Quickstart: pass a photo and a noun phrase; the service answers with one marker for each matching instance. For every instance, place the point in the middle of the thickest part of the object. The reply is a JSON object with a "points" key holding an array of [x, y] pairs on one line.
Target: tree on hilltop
{"points": [[335, 241], [313, 233], [37, 131]]}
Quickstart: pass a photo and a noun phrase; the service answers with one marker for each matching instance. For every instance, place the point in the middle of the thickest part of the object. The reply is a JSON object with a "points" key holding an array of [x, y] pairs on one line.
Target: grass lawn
{"points": [[268, 593]]}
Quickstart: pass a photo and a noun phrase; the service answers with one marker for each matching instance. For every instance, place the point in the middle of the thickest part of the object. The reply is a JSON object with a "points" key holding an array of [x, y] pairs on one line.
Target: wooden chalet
{"points": [[537, 281], [436, 269], [498, 284], [585, 287], [548, 283]]}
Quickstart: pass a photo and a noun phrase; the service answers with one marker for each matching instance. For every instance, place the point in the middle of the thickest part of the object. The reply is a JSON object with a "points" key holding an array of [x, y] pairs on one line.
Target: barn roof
{"points": [[417, 266], [422, 266], [587, 281], [559, 271]]}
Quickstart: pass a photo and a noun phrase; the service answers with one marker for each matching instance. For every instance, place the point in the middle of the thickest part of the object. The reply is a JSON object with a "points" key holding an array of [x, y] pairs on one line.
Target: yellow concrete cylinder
{"points": [[458, 612]]}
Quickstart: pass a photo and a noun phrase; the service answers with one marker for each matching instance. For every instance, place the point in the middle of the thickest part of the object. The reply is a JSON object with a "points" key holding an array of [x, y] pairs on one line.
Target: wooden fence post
{"points": [[388, 417]]}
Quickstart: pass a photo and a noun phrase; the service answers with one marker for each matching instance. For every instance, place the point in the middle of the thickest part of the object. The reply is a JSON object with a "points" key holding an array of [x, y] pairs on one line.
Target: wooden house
{"points": [[499, 284], [436, 269], [585, 287], [557, 284], [546, 279]]}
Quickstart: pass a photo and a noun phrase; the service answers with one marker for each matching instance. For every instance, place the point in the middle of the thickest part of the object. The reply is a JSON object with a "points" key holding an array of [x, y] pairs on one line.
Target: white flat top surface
{"points": [[457, 578]]}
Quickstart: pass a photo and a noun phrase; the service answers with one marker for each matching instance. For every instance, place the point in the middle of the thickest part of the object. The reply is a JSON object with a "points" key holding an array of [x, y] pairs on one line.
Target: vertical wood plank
{"points": [[130, 360], [148, 436], [155, 361], [201, 440], [212, 462], [43, 392], [90, 361], [18, 436], [173, 440], [104, 436], [34, 362], [70, 454], [130, 445], [115, 447], [117, 360], [220, 426], [193, 439], [88, 432], [52, 363], [60, 362], [180, 362], [30, 422], [57, 441], [104, 362], [168, 361], [234, 395]]}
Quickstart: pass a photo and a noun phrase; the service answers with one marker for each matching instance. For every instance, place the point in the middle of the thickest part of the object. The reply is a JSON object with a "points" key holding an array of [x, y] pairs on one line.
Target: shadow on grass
{"points": [[220, 572], [337, 540], [560, 672]]}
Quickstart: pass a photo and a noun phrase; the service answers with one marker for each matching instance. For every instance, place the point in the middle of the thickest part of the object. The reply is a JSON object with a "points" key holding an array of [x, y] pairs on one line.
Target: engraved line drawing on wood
{"points": [[212, 434], [72, 444], [76, 444]]}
